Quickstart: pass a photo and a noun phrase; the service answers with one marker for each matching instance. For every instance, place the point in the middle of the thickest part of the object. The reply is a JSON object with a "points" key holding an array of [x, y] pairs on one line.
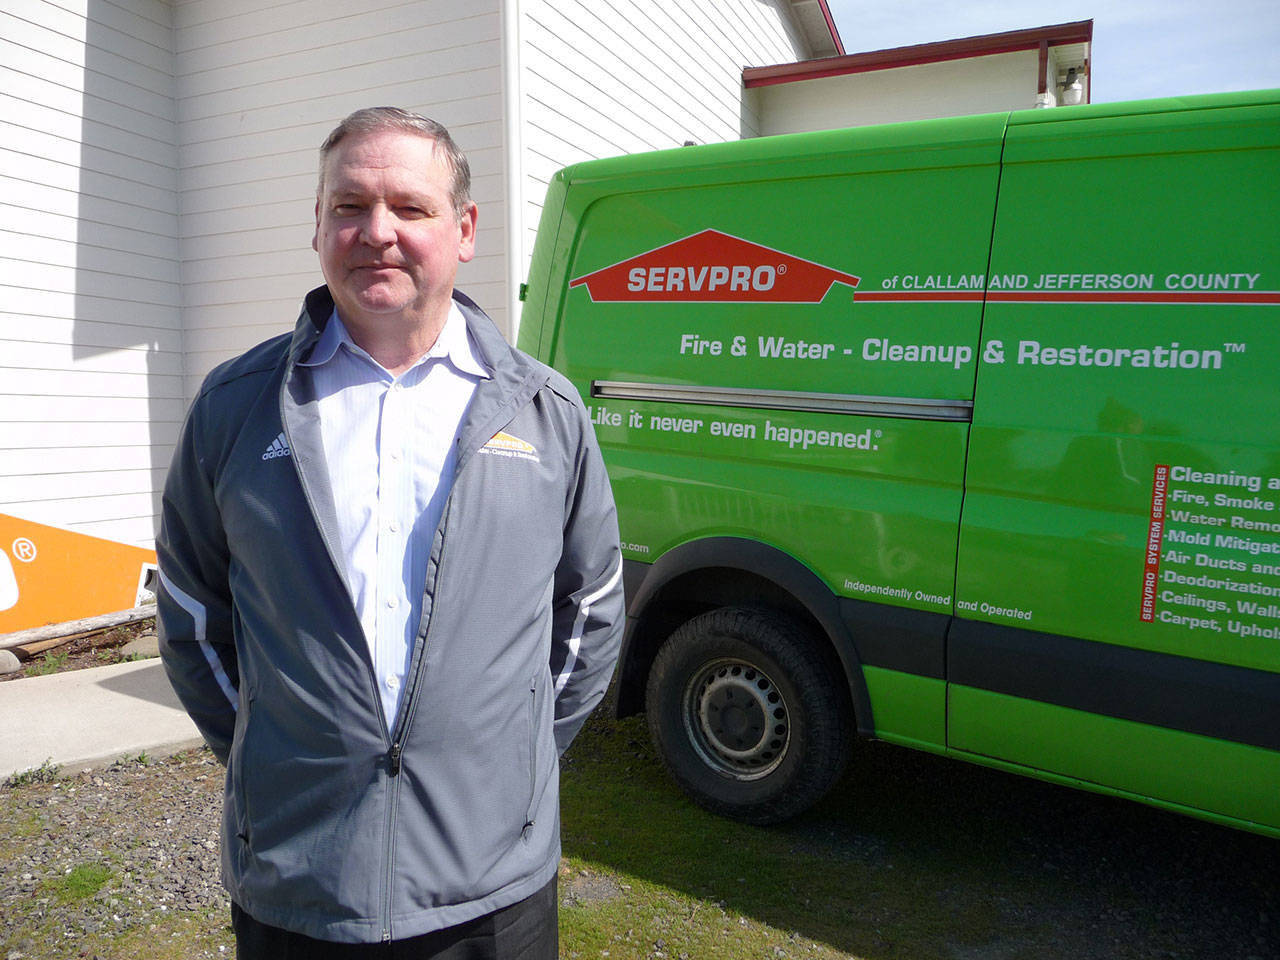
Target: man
{"points": [[390, 586]]}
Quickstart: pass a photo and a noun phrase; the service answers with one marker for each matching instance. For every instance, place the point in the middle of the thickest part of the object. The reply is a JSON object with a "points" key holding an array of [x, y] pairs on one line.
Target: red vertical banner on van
{"points": [[1155, 538]]}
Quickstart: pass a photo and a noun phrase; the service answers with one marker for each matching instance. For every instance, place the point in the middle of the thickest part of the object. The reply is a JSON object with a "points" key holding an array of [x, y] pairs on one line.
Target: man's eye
{"points": [[412, 213], [346, 209]]}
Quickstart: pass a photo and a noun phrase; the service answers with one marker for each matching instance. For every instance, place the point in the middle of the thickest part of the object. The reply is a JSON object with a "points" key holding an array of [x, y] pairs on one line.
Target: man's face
{"points": [[387, 233]]}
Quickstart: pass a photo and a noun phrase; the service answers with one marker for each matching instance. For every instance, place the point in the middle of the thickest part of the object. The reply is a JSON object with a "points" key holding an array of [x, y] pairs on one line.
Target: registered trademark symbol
{"points": [[782, 268], [24, 550], [879, 434]]}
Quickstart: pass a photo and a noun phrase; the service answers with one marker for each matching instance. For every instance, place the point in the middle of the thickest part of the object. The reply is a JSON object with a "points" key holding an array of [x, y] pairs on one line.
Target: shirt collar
{"points": [[453, 344]]}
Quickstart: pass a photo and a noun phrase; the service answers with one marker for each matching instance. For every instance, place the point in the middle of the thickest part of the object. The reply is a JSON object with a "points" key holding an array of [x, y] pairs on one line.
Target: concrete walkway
{"points": [[89, 718]]}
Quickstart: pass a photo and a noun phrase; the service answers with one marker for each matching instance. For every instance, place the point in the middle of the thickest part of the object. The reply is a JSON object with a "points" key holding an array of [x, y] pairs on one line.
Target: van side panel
{"points": [[771, 448], [1123, 480], [999, 394], [1145, 762], [909, 710]]}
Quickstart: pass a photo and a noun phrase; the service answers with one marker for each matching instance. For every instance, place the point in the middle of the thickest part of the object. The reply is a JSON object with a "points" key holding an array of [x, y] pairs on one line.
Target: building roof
{"points": [[815, 21], [1071, 40]]}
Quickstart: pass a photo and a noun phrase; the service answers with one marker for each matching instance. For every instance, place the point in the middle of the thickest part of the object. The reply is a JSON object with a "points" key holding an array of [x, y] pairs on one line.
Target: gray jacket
{"points": [[331, 828]]}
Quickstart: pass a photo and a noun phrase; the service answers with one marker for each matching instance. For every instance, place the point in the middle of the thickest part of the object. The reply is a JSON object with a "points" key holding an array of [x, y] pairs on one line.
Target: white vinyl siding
{"points": [[260, 84], [611, 77], [158, 169], [90, 342]]}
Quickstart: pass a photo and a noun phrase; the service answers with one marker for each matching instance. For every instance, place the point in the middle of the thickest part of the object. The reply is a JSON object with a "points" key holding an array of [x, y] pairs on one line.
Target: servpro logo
{"points": [[712, 267], [505, 445]]}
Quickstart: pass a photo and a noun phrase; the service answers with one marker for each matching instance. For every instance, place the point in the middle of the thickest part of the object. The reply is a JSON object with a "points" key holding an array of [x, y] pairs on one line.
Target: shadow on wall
{"points": [[103, 422], [127, 334]]}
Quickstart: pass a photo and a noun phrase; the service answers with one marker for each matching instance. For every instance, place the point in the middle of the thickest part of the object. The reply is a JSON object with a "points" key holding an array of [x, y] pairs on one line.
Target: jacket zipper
{"points": [[396, 751], [387, 879], [533, 759]]}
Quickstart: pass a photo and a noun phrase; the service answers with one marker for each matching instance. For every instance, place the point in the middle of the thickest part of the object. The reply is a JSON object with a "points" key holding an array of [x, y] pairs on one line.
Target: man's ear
{"points": [[467, 229]]}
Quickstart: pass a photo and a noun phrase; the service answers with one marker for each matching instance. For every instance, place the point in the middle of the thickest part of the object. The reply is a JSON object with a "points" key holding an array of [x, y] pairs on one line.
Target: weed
{"points": [[47, 772], [143, 759], [49, 663]]}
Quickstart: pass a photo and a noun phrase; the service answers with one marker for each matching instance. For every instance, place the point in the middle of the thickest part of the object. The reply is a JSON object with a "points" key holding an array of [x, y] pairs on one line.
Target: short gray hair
{"points": [[372, 119]]}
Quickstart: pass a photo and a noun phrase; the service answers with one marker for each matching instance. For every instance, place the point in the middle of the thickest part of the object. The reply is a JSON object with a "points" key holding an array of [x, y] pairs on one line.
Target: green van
{"points": [[963, 434]]}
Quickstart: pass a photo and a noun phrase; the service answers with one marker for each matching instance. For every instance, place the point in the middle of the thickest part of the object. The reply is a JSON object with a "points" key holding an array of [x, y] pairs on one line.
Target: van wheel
{"points": [[748, 714]]}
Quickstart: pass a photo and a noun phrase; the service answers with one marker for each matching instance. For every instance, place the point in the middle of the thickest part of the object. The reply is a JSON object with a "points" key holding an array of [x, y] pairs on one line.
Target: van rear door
{"points": [[1118, 584]]}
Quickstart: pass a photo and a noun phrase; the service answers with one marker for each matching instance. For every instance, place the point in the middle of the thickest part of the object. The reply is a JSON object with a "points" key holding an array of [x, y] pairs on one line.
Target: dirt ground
{"points": [[96, 649]]}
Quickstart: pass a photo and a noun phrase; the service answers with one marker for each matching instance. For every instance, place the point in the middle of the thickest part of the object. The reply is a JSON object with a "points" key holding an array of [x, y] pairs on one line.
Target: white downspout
{"points": [[513, 159]]}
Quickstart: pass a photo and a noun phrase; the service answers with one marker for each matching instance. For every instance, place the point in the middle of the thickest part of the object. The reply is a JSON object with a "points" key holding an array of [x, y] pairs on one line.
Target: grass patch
{"points": [[23, 828], [18, 829], [184, 936], [911, 857], [697, 886], [79, 883]]}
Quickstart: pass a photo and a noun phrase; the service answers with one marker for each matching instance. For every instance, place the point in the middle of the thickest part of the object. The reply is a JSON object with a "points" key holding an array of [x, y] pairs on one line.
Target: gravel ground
{"points": [[123, 863], [95, 859]]}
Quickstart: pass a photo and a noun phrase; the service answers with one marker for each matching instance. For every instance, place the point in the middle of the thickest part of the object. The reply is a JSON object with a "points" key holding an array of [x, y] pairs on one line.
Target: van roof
{"points": [[934, 142]]}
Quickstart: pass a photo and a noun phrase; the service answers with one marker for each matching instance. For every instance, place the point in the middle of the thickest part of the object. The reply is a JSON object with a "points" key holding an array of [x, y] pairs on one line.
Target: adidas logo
{"points": [[279, 448]]}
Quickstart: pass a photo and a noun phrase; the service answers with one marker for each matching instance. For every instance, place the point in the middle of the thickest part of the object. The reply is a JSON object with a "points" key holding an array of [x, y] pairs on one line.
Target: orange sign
{"points": [[51, 575]]}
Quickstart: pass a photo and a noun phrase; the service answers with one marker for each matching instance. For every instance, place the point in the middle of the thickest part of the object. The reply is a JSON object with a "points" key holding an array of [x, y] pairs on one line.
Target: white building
{"points": [[1016, 70], [158, 167]]}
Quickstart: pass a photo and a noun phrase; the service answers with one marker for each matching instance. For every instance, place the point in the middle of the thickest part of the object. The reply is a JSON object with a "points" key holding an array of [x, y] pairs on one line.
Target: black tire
{"points": [[749, 715]]}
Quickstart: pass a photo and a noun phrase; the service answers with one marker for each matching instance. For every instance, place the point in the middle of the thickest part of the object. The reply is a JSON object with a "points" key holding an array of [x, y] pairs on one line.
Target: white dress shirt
{"points": [[391, 448]]}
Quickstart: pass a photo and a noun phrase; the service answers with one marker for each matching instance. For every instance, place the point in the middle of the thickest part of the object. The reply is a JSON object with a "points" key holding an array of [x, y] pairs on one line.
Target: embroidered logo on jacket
{"points": [[279, 448], [505, 445]]}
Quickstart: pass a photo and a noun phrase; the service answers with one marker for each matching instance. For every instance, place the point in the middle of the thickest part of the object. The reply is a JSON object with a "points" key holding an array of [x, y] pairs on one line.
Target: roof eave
{"points": [[1080, 31]]}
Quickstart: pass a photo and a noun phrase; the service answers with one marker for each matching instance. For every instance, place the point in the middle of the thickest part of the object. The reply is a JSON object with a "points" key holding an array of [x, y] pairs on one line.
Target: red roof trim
{"points": [[831, 25], [1080, 31]]}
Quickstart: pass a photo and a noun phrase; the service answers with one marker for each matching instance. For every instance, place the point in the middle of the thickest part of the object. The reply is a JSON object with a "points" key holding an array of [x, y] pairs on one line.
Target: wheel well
{"points": [[695, 592]]}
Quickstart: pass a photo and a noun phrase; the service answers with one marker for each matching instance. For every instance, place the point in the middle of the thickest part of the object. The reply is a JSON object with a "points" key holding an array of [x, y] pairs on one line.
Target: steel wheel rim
{"points": [[737, 719]]}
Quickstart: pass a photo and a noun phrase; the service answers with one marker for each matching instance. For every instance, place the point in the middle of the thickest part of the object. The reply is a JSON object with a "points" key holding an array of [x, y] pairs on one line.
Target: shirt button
{"points": [[393, 682], [393, 527], [391, 604]]}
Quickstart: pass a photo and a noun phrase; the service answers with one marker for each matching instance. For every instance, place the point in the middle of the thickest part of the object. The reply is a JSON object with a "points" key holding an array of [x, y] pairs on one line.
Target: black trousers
{"points": [[528, 930]]}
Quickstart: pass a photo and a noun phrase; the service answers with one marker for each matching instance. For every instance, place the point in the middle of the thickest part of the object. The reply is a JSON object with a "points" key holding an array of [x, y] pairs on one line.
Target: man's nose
{"points": [[378, 229]]}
